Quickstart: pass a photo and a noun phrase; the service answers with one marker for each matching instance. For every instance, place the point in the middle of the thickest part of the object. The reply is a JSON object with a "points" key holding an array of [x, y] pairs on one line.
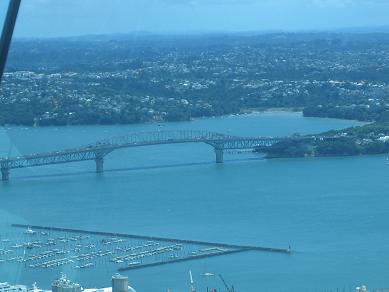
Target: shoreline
{"points": [[246, 113], [273, 109]]}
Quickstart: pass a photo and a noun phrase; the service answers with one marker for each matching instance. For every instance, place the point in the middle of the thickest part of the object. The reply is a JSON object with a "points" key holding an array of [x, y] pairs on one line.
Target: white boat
{"points": [[108, 289], [17, 246], [36, 289], [5, 287], [207, 274], [29, 231], [88, 265]]}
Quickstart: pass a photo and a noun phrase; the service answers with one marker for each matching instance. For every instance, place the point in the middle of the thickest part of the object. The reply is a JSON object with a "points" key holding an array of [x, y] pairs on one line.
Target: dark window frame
{"points": [[6, 35]]}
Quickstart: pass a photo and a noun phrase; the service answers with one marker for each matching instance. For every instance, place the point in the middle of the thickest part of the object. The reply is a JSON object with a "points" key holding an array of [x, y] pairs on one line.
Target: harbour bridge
{"points": [[99, 150]]}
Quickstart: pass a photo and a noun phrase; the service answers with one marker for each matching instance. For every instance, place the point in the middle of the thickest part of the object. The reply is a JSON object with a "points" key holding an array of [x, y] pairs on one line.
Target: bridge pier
{"points": [[99, 164], [4, 173], [219, 152]]}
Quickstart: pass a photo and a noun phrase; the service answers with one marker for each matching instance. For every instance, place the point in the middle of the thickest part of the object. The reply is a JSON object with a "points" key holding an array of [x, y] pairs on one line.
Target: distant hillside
{"points": [[143, 78]]}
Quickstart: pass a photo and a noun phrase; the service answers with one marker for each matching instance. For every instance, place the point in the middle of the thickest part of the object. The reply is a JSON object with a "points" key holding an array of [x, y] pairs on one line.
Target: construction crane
{"points": [[191, 287], [232, 289]]}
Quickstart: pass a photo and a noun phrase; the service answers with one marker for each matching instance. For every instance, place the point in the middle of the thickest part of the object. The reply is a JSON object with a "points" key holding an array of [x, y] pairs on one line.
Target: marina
{"points": [[39, 247]]}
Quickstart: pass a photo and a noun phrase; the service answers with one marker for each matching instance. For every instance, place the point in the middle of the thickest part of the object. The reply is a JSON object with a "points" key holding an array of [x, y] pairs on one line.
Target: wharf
{"points": [[190, 258]]}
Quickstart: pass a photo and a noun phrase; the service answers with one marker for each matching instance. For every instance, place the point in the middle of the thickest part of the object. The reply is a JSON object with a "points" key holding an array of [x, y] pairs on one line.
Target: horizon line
{"points": [[346, 30]]}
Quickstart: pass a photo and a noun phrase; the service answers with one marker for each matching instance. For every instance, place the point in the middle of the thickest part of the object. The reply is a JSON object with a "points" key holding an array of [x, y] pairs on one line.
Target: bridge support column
{"points": [[99, 164], [219, 154], [4, 173]]}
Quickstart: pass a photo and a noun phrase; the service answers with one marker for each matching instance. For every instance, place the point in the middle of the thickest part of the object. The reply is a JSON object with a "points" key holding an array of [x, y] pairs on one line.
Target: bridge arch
{"points": [[97, 151]]}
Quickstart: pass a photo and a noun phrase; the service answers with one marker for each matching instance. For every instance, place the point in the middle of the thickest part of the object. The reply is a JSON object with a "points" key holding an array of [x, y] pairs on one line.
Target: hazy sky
{"points": [[49, 18]]}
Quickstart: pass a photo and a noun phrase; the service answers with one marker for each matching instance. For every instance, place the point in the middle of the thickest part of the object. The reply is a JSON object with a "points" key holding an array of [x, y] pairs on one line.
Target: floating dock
{"points": [[213, 248]]}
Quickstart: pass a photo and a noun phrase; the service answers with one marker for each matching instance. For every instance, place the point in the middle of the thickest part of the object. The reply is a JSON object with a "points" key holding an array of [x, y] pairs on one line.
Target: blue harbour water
{"points": [[332, 211]]}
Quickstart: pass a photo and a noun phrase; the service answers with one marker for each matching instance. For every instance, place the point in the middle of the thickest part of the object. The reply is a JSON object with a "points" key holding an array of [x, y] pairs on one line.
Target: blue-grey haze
{"points": [[52, 18]]}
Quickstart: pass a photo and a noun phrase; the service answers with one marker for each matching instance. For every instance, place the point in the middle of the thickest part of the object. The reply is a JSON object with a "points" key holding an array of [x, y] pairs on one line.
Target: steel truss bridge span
{"points": [[102, 148]]}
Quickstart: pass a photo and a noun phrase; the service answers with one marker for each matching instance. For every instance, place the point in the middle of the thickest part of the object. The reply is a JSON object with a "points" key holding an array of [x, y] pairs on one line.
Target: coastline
{"points": [[272, 109], [242, 112], [246, 112]]}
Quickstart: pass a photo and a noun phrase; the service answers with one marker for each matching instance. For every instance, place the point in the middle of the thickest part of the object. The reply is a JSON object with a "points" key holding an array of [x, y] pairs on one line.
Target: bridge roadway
{"points": [[100, 149]]}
